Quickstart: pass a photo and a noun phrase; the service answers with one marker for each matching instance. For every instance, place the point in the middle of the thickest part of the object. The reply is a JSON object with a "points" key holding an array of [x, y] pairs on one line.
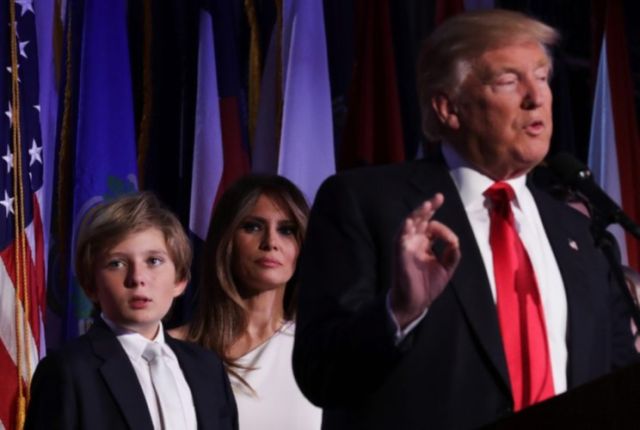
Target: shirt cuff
{"points": [[401, 334]]}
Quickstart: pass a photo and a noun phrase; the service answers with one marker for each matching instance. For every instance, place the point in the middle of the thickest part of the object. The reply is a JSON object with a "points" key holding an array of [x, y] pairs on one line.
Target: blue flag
{"points": [[104, 150]]}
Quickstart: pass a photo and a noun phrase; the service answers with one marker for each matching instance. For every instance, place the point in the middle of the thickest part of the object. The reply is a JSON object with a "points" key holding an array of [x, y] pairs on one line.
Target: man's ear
{"points": [[446, 111]]}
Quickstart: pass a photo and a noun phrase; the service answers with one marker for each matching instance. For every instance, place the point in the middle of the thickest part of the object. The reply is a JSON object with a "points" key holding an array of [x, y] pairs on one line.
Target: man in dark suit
{"points": [[132, 260], [413, 313]]}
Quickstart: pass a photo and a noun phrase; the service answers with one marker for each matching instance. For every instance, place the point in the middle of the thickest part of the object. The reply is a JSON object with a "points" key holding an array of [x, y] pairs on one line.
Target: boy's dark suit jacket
{"points": [[451, 371], [91, 384]]}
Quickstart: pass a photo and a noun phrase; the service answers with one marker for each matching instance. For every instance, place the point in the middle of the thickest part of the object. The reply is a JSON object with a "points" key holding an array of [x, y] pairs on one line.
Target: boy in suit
{"points": [[132, 260]]}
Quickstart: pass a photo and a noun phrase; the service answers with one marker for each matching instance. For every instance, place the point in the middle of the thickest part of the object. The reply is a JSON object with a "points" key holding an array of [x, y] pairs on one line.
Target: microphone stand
{"points": [[604, 212], [626, 223], [605, 241]]}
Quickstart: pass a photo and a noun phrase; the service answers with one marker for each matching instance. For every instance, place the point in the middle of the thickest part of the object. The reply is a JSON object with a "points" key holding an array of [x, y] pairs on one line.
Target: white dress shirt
{"points": [[134, 345], [471, 185]]}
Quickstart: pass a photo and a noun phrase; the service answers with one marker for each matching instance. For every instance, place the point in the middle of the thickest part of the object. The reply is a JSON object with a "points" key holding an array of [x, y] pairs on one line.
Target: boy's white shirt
{"points": [[134, 345]]}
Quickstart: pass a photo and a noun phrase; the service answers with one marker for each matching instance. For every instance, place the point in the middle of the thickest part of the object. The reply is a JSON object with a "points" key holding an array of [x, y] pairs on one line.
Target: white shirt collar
{"points": [[134, 343], [472, 184]]}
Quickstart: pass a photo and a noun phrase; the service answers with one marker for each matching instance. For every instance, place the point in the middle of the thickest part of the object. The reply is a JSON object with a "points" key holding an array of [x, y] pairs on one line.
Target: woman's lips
{"points": [[268, 262]]}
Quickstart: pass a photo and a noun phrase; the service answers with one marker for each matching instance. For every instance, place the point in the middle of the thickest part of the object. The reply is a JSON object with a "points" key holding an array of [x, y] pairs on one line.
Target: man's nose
{"points": [[535, 93]]}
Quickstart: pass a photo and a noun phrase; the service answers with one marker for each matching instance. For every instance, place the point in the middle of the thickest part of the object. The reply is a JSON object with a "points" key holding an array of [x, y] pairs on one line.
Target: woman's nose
{"points": [[269, 240]]}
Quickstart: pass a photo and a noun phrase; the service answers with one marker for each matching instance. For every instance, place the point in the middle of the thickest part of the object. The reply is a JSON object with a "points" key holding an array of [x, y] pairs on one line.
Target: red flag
{"points": [[232, 110], [373, 130], [624, 117], [446, 9]]}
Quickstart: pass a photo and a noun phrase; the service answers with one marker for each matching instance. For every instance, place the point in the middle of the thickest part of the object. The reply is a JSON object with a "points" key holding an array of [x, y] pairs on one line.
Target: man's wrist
{"points": [[407, 322]]}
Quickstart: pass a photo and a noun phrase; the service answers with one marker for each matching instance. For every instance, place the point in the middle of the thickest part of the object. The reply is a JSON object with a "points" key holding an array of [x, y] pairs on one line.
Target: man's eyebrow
{"points": [[487, 74], [543, 62]]}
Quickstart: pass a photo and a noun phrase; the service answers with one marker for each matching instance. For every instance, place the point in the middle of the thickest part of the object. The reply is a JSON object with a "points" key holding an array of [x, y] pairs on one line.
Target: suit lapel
{"points": [[120, 377], [469, 283], [581, 324], [196, 377]]}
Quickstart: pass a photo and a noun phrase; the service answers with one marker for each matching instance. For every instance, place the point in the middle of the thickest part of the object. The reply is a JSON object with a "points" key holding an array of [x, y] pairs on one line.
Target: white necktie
{"points": [[165, 387]]}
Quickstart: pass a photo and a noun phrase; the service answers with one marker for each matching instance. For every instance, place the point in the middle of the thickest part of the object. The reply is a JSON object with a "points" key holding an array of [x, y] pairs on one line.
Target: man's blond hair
{"points": [[446, 56]]}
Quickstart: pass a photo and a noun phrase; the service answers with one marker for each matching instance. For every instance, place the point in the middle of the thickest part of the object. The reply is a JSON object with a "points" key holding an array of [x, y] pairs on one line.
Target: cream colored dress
{"points": [[276, 402]]}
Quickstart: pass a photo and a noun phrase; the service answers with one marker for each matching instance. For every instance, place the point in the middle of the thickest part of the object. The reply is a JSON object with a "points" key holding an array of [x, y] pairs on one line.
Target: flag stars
{"points": [[8, 159], [9, 114], [37, 107], [18, 70], [22, 46], [8, 204], [35, 152], [26, 6]]}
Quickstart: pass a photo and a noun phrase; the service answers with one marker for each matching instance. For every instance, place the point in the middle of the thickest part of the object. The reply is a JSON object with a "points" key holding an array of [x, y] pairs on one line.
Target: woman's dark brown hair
{"points": [[220, 317]]}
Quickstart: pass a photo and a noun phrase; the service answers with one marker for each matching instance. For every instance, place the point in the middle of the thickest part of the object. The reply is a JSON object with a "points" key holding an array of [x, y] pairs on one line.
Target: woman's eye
{"points": [[250, 227], [287, 230]]}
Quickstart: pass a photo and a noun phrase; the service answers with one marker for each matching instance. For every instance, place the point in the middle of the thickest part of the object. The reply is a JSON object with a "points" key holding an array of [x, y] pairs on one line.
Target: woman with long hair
{"points": [[247, 299]]}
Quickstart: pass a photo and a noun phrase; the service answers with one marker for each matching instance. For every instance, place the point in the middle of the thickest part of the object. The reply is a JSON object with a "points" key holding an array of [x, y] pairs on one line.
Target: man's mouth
{"points": [[534, 128]]}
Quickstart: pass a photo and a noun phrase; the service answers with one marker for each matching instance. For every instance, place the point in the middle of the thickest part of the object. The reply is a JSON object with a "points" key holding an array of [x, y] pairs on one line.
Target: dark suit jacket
{"points": [[451, 371], [91, 384]]}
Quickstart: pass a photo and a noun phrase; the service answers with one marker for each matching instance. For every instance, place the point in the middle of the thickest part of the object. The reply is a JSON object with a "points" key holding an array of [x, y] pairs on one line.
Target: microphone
{"points": [[572, 172]]}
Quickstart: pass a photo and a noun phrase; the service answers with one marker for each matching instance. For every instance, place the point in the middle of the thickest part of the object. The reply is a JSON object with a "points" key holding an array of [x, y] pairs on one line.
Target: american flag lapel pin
{"points": [[573, 245]]}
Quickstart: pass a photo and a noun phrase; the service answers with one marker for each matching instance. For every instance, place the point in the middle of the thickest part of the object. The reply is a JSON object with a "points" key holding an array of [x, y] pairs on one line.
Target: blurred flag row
{"points": [[133, 95], [100, 98]]}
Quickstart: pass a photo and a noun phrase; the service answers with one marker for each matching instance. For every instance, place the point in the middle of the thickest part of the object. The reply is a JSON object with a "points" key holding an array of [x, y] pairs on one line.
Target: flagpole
{"points": [[22, 296]]}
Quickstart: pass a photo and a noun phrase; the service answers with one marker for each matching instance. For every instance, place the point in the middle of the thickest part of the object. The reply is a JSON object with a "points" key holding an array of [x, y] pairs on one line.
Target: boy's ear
{"points": [[179, 288]]}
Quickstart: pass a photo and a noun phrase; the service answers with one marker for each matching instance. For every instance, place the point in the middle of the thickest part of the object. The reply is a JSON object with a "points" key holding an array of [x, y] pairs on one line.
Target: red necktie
{"points": [[520, 314]]}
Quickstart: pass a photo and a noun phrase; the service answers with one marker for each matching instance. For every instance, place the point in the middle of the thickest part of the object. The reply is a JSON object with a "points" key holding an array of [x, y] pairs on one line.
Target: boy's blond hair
{"points": [[109, 222]]}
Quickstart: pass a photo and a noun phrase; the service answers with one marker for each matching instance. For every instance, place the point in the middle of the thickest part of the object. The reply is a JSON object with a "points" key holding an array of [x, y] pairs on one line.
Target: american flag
{"points": [[21, 232]]}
